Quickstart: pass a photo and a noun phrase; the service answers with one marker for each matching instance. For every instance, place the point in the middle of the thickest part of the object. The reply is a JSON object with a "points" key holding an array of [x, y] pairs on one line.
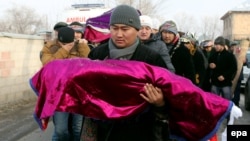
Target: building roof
{"points": [[242, 8]]}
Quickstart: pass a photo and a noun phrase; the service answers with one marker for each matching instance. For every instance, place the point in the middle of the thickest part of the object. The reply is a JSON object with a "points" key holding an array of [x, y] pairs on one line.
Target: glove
{"points": [[235, 113]]}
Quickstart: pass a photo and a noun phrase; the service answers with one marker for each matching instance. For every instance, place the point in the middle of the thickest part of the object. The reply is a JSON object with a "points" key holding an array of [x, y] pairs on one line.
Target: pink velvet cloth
{"points": [[109, 90]]}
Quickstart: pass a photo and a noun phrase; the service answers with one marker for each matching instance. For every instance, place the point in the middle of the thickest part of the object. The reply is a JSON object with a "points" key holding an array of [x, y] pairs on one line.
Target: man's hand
{"points": [[212, 65], [153, 95], [83, 41], [221, 78]]}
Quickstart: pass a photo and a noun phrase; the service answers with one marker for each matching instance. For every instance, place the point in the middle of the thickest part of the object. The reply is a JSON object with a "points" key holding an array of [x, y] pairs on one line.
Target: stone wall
{"points": [[19, 61]]}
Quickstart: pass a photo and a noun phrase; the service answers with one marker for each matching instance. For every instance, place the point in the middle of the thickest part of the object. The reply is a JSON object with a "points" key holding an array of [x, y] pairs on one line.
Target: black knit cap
{"points": [[66, 35], [220, 41], [125, 14], [58, 25]]}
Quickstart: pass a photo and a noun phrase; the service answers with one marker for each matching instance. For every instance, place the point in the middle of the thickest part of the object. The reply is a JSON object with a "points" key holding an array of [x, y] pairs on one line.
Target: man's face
{"points": [[208, 48], [218, 47], [123, 35], [78, 35], [188, 45], [167, 36], [78, 31], [144, 33], [232, 48]]}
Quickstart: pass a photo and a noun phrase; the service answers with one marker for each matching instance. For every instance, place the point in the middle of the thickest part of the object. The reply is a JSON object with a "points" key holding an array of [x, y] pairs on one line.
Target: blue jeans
{"points": [[67, 126], [225, 91]]}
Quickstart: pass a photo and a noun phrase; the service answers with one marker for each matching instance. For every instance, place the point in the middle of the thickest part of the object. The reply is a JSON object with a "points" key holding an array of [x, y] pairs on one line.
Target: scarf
{"points": [[122, 53]]}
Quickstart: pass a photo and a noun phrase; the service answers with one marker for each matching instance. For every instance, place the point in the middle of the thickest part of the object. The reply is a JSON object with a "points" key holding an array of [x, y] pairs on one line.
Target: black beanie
{"points": [[66, 35], [124, 14], [220, 41], [58, 25]]}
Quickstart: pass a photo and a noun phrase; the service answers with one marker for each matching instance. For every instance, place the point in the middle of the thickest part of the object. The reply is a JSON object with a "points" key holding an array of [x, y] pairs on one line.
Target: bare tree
{"points": [[3, 26], [146, 7], [185, 22], [207, 27], [22, 19], [211, 27]]}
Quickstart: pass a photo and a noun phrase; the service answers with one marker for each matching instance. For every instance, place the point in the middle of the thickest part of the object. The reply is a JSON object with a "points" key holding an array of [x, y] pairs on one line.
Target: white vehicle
{"points": [[246, 73], [82, 12], [246, 70]]}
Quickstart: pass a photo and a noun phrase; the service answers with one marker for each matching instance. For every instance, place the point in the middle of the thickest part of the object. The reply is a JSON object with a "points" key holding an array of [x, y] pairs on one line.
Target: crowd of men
{"points": [[210, 65]]}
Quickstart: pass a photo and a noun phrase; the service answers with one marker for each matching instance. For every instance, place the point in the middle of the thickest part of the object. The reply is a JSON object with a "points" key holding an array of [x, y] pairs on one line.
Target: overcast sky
{"points": [[204, 7], [53, 8]]}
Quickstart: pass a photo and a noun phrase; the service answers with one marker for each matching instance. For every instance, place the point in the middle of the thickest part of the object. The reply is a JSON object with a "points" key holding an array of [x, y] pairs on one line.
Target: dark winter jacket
{"points": [[208, 54], [206, 83], [183, 62], [226, 66], [138, 128], [200, 67]]}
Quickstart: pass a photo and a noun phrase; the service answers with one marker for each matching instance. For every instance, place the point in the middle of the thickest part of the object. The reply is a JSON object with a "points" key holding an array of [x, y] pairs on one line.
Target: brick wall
{"points": [[19, 61]]}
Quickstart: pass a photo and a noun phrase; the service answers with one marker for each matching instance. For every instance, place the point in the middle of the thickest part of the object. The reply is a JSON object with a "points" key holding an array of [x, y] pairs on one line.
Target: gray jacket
{"points": [[160, 47]]}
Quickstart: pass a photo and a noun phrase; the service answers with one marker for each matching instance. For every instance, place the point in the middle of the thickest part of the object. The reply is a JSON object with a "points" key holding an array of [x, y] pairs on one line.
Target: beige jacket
{"points": [[52, 50]]}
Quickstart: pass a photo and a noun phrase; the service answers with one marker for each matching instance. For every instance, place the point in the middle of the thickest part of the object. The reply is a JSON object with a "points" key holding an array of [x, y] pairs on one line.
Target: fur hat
{"points": [[220, 41], [146, 21], [66, 35], [58, 25], [124, 14], [169, 26]]}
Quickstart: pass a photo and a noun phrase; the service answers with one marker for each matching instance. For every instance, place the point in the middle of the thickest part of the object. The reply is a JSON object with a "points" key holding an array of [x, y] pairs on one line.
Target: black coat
{"points": [[200, 67], [183, 62], [206, 86], [226, 65], [140, 127]]}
